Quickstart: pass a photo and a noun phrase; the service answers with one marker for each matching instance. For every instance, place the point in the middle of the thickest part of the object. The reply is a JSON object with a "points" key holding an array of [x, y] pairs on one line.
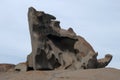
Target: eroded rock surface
{"points": [[90, 74], [56, 48]]}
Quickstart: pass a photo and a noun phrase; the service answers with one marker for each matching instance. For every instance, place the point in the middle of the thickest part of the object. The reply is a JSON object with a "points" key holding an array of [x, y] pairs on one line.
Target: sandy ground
{"points": [[91, 74]]}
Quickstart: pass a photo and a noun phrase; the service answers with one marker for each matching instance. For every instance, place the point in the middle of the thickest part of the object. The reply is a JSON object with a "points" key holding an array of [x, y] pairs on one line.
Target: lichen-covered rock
{"points": [[56, 48]]}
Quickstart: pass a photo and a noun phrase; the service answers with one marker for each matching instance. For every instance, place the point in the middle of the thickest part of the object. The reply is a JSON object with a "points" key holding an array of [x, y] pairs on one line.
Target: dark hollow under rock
{"points": [[56, 48]]}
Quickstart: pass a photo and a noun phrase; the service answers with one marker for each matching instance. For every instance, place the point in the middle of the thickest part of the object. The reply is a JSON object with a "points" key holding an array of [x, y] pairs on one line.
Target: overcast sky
{"points": [[98, 21]]}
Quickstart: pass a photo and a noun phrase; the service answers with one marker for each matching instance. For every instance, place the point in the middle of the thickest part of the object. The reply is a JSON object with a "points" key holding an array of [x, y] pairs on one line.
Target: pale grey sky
{"points": [[98, 21]]}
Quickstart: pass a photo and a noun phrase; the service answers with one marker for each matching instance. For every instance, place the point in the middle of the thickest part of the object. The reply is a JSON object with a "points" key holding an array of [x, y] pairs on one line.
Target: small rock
{"points": [[21, 67]]}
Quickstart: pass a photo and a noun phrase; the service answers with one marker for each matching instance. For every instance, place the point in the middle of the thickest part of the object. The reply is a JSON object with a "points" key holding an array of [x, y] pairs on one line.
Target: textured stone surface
{"points": [[56, 48], [89, 74]]}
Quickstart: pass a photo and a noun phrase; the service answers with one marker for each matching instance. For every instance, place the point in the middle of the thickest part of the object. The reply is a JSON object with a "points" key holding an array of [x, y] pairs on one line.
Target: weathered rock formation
{"points": [[56, 48]]}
